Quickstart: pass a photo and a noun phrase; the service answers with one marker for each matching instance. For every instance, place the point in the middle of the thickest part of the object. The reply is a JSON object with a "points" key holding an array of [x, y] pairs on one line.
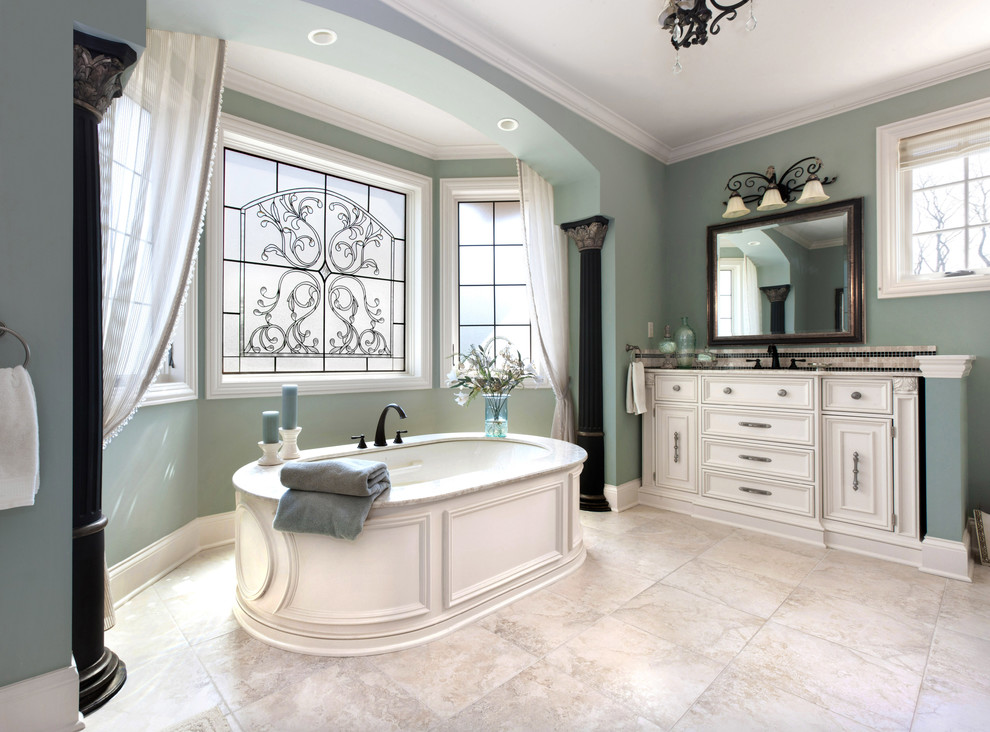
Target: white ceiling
{"points": [[609, 60], [354, 102]]}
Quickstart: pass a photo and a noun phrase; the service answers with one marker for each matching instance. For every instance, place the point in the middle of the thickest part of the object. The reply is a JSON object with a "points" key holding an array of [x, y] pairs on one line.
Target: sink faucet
{"points": [[772, 352], [380, 431]]}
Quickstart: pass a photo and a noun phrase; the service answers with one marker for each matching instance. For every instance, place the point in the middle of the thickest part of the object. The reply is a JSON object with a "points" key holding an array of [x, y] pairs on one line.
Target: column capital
{"points": [[945, 367], [587, 233], [96, 68], [776, 293]]}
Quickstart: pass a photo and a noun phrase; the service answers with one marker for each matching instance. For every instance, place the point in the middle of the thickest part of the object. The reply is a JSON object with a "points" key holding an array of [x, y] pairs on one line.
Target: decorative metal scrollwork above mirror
{"points": [[795, 277]]}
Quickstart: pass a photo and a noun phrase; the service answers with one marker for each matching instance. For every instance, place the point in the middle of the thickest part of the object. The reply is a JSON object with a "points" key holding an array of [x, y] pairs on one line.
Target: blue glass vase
{"points": [[496, 415], [685, 339]]}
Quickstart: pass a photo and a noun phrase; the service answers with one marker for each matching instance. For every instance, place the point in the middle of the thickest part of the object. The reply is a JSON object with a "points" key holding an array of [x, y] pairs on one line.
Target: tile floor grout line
{"points": [[928, 658]]}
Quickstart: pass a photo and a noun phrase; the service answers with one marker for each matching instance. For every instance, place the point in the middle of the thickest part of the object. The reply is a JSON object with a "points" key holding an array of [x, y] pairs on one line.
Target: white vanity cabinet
{"points": [[823, 457], [670, 429]]}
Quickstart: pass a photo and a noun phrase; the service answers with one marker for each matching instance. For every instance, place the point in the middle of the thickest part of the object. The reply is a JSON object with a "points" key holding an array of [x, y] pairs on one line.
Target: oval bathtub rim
{"points": [[263, 481]]}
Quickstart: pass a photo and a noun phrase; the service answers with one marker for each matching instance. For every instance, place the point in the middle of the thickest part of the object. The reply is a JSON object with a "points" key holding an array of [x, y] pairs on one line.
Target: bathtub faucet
{"points": [[380, 432]]}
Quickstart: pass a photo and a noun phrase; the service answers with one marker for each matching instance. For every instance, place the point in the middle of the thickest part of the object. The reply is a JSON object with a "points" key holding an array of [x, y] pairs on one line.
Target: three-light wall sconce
{"points": [[773, 193]]}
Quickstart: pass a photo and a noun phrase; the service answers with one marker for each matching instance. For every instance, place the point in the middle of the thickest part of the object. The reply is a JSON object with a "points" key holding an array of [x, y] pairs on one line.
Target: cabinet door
{"points": [[676, 434], [858, 482]]}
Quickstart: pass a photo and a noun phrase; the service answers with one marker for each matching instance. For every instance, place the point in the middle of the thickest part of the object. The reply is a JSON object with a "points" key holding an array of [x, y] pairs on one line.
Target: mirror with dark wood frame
{"points": [[794, 277]]}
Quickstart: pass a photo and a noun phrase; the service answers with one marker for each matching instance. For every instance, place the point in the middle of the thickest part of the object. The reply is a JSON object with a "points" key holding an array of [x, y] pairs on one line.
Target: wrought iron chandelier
{"points": [[773, 193], [687, 21]]}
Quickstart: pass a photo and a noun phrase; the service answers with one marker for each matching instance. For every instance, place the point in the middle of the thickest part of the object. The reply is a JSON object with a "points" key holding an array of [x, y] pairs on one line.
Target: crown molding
{"points": [[455, 28], [241, 81]]}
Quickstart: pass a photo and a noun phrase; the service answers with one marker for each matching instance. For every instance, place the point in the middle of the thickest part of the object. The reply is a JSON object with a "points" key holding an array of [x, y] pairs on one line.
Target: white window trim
{"points": [[186, 390], [253, 138], [891, 216]]}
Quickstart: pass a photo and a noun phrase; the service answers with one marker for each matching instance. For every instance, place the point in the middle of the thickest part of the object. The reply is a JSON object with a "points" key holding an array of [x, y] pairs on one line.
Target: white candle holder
{"points": [[290, 451], [269, 453]]}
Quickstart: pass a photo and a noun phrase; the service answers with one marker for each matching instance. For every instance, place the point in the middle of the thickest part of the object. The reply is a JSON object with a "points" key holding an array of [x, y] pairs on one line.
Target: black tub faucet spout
{"points": [[772, 352], [380, 431]]}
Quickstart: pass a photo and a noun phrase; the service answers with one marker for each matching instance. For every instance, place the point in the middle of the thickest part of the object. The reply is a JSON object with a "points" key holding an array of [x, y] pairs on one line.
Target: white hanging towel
{"points": [[636, 389], [19, 473]]}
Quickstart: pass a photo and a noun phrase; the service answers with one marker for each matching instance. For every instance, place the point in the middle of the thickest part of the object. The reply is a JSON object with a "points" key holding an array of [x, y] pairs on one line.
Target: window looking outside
{"points": [[934, 218], [493, 298]]}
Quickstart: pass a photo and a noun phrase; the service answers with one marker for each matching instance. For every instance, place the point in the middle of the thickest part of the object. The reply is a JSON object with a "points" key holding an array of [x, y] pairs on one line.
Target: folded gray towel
{"points": [[331, 514], [344, 476]]}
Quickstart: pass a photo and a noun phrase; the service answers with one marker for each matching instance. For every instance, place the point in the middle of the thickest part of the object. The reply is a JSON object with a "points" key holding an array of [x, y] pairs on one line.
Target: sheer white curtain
{"points": [[156, 154], [752, 306], [546, 252]]}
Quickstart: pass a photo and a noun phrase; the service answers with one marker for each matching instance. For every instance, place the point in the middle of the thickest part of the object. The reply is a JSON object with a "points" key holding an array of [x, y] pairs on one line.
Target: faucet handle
{"points": [[758, 364], [795, 362], [398, 437], [362, 444]]}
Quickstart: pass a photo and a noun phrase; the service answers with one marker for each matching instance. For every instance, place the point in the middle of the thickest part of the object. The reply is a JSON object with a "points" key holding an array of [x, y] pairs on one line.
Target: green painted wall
{"points": [[36, 300], [956, 324], [945, 435]]}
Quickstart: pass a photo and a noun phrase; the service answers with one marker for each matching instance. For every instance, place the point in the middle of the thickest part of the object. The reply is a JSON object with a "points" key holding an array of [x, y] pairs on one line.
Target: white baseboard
{"points": [[45, 703], [947, 558], [621, 497], [144, 568]]}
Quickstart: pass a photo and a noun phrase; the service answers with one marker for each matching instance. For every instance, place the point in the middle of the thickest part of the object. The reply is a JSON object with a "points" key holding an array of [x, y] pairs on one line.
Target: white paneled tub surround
{"points": [[469, 525]]}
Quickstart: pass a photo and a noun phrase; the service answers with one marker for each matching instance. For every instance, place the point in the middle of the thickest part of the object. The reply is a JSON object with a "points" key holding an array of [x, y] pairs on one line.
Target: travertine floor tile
{"points": [[351, 694], [653, 676], [738, 588], [874, 692], [735, 702], [639, 555], [245, 669], [541, 622], [455, 671], [600, 587], [145, 629], [544, 698], [966, 606], [703, 626], [851, 624], [789, 563]]}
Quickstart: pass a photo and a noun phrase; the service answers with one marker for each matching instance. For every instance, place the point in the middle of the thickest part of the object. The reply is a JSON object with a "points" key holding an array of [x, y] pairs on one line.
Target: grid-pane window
{"points": [[492, 294], [950, 215], [313, 272]]}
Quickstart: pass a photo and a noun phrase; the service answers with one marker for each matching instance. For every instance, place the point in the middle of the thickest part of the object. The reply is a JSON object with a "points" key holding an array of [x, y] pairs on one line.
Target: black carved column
{"points": [[589, 235], [776, 294], [97, 65]]}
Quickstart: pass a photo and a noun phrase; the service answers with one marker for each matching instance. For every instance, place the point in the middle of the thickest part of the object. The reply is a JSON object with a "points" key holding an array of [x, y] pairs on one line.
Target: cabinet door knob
{"points": [[676, 387], [727, 390], [856, 395], [781, 392]]}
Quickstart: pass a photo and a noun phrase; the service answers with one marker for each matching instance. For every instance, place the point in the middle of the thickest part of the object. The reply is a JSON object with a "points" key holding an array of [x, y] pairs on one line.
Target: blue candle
{"points": [[269, 427], [290, 392]]}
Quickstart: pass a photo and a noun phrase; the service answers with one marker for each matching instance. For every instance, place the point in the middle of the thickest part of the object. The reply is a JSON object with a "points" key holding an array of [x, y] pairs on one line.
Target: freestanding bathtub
{"points": [[469, 525]]}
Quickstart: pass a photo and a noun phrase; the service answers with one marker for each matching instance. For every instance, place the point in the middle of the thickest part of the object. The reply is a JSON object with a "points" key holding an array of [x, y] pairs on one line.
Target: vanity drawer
{"points": [[857, 395], [675, 387], [788, 463], [794, 428], [759, 391], [777, 496]]}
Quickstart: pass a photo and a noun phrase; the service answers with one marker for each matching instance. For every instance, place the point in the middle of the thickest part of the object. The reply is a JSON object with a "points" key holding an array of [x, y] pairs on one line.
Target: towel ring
{"points": [[18, 336]]}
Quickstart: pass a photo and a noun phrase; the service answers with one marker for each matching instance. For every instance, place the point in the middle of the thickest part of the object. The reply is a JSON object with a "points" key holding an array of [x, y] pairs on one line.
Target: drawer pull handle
{"points": [[856, 395], [677, 447], [855, 471], [756, 424], [781, 392], [727, 390], [676, 387], [757, 491], [756, 458]]}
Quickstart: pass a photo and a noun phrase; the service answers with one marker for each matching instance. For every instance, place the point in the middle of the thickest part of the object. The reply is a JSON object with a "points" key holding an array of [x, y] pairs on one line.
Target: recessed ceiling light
{"points": [[753, 243], [322, 37], [507, 124]]}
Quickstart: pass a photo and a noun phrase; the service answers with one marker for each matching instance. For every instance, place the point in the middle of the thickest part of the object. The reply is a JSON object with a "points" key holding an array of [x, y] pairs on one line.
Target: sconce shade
{"points": [[813, 191], [771, 200], [735, 208]]}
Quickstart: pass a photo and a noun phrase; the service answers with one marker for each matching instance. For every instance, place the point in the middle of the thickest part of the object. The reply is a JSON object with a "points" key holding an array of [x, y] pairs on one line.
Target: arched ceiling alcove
{"points": [[365, 48]]}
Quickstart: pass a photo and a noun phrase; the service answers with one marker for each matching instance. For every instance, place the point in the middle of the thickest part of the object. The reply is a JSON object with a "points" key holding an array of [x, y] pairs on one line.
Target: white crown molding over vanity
{"points": [[827, 457]]}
